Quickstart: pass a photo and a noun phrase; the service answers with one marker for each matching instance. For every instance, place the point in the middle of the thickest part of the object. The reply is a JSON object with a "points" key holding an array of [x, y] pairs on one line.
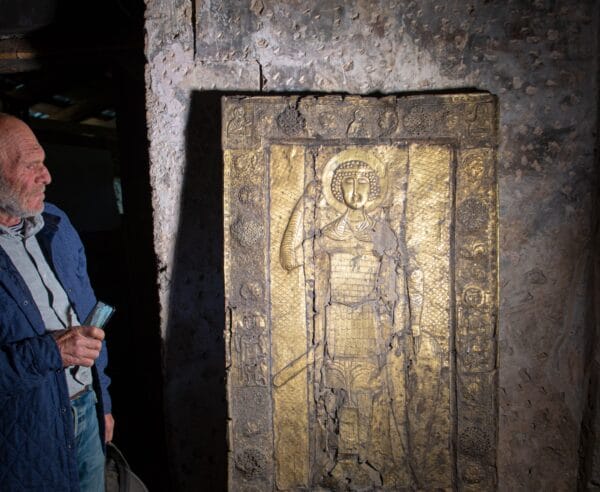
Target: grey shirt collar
{"points": [[28, 227]]}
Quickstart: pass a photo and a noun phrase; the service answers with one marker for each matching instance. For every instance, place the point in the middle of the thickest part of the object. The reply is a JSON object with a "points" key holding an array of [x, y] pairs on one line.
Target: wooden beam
{"points": [[69, 133], [27, 54]]}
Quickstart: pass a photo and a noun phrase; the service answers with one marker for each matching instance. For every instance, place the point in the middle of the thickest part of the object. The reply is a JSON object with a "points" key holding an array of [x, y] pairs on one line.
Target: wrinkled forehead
{"points": [[17, 141]]}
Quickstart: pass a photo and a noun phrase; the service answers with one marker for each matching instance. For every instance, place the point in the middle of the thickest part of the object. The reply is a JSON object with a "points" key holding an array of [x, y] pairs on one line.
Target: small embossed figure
{"points": [[358, 127], [367, 303], [239, 127], [251, 345], [475, 328]]}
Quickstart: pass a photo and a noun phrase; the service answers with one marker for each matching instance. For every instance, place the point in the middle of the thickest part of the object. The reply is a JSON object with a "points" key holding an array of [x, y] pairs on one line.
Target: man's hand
{"points": [[79, 345], [109, 424]]}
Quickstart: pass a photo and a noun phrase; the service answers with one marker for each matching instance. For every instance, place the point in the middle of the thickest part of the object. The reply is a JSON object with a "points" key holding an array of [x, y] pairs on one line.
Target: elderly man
{"points": [[54, 404]]}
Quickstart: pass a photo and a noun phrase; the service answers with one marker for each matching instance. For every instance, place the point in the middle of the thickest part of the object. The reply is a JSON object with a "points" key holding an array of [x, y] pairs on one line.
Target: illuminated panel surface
{"points": [[361, 290]]}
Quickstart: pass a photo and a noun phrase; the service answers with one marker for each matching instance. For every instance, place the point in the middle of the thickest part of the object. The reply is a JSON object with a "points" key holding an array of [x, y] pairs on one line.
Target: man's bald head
{"points": [[23, 175], [7, 125], [8, 119]]}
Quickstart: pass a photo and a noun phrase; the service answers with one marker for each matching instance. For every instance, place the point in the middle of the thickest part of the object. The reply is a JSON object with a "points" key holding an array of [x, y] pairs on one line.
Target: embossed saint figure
{"points": [[239, 127], [368, 298], [250, 343]]}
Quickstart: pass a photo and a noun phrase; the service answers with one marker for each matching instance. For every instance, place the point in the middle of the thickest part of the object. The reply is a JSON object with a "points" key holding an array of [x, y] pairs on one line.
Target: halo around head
{"points": [[354, 155]]}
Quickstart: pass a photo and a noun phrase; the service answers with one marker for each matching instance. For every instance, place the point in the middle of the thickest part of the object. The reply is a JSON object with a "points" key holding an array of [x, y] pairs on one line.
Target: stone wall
{"points": [[538, 57]]}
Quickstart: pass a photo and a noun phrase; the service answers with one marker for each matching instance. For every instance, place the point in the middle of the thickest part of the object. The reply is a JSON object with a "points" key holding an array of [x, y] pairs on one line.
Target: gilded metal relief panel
{"points": [[361, 291]]}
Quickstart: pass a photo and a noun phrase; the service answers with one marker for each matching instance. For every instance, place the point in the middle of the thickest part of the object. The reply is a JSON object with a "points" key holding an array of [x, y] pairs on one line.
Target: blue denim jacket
{"points": [[36, 428]]}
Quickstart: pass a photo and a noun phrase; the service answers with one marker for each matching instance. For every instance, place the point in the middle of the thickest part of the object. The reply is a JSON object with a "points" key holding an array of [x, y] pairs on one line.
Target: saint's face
{"points": [[24, 174], [355, 190]]}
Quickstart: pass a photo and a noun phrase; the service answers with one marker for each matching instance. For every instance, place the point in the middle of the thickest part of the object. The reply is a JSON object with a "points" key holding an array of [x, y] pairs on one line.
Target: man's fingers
{"points": [[85, 352], [83, 362], [90, 343], [83, 345], [109, 425], [81, 356], [91, 332], [79, 346]]}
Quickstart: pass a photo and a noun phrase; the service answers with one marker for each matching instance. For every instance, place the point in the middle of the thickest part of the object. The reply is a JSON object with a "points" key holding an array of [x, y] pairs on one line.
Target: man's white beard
{"points": [[10, 204]]}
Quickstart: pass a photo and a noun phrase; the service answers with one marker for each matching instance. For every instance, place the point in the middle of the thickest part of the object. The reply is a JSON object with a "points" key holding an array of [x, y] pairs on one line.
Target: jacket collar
{"points": [[14, 283]]}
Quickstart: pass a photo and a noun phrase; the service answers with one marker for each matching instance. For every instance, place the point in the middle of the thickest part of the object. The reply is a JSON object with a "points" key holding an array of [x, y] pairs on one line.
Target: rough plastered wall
{"points": [[538, 57]]}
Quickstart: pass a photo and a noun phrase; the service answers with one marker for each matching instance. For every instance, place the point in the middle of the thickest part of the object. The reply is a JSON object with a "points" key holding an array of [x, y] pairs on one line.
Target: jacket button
{"points": [[25, 302], [63, 409]]}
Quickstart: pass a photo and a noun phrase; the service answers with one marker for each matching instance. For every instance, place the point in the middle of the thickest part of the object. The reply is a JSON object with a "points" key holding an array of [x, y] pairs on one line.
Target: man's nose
{"points": [[44, 175]]}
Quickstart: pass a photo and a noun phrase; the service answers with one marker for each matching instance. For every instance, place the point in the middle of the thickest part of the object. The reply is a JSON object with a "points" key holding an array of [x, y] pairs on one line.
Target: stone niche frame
{"points": [[274, 146]]}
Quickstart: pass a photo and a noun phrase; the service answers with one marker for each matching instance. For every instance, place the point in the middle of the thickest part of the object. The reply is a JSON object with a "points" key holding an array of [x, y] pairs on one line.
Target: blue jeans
{"points": [[90, 457]]}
